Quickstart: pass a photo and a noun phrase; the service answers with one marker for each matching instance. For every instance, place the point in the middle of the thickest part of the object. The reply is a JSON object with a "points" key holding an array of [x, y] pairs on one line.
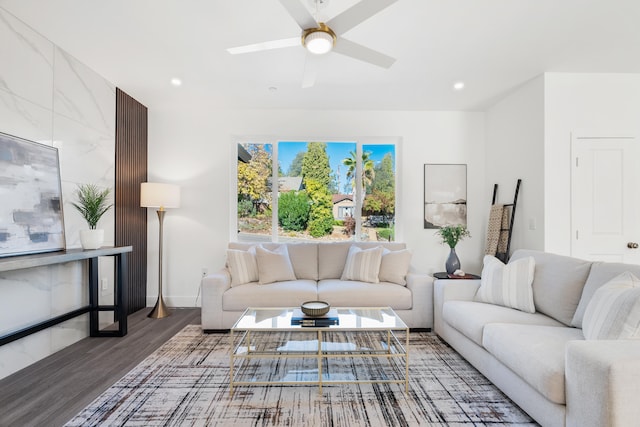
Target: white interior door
{"points": [[605, 199]]}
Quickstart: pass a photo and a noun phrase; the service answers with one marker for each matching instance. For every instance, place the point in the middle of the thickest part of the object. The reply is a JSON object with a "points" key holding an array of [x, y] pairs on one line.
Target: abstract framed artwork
{"points": [[445, 195], [31, 219]]}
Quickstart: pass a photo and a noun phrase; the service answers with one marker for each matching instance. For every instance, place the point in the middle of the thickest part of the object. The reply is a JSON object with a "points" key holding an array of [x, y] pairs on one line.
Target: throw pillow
{"points": [[507, 285], [394, 266], [242, 266], [274, 266], [614, 310], [363, 264]]}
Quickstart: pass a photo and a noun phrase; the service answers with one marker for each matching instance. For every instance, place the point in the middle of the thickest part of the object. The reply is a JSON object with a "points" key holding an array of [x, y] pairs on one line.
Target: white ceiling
{"points": [[491, 45]]}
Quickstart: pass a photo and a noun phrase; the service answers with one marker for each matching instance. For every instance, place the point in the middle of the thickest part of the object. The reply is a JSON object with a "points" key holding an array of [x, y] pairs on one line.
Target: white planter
{"points": [[91, 239]]}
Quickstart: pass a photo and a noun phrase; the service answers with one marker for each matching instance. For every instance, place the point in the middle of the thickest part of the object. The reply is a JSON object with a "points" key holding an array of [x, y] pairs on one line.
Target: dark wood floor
{"points": [[50, 392]]}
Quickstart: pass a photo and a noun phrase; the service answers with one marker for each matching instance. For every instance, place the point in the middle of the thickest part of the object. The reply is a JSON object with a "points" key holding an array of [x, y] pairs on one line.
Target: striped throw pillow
{"points": [[363, 264], [242, 266], [614, 310], [507, 285]]}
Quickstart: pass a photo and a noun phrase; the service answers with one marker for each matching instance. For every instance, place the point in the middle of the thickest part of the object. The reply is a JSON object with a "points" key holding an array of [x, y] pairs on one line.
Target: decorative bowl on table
{"points": [[315, 308]]}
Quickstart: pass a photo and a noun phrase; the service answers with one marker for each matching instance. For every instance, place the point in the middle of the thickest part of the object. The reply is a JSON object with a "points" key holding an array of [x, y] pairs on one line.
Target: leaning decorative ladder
{"points": [[505, 227]]}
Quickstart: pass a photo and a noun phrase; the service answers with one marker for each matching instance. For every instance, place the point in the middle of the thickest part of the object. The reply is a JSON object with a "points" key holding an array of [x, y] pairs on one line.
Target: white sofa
{"points": [[542, 360], [318, 268]]}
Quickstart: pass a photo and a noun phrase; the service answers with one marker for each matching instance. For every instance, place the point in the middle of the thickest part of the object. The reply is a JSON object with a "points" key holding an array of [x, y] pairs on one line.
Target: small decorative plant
{"points": [[452, 234], [92, 203]]}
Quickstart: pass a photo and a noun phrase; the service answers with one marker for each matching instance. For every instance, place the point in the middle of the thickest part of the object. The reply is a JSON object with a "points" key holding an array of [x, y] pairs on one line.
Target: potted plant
{"points": [[92, 204], [451, 235]]}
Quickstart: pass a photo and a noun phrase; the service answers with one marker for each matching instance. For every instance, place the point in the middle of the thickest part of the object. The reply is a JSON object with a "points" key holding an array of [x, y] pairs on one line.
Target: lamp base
{"points": [[160, 310]]}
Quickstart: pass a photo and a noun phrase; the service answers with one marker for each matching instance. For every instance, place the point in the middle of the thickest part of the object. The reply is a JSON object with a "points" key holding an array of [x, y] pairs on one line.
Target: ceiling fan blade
{"points": [[273, 44], [299, 13], [310, 71], [363, 53], [356, 14]]}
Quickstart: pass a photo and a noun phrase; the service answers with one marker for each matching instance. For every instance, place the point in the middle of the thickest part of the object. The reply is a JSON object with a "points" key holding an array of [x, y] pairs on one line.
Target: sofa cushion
{"points": [[535, 353], [601, 273], [362, 264], [557, 283], [507, 285], [304, 256], [274, 266], [395, 266], [279, 294], [333, 256], [614, 310], [242, 265], [470, 317], [340, 293]]}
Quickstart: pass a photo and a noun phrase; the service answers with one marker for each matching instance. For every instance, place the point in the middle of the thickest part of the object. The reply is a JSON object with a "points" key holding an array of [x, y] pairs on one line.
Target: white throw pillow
{"points": [[507, 285], [614, 310], [242, 266], [274, 266], [362, 264], [395, 266]]}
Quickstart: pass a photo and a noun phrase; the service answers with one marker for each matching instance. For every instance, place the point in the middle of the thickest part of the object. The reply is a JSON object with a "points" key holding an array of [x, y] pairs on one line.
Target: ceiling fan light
{"points": [[319, 40]]}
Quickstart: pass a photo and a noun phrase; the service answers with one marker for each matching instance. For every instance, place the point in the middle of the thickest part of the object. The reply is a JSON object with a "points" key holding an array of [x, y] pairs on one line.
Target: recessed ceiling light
{"points": [[176, 81], [458, 85]]}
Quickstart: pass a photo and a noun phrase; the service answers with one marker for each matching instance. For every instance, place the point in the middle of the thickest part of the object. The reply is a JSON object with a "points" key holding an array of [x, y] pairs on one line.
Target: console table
{"points": [[94, 308]]}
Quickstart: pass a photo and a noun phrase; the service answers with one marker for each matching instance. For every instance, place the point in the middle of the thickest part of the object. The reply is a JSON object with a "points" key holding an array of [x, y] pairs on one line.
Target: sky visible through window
{"points": [[337, 151]]}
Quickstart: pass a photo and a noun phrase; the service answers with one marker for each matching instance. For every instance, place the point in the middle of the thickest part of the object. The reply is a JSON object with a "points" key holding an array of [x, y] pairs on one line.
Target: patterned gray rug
{"points": [[185, 383]]}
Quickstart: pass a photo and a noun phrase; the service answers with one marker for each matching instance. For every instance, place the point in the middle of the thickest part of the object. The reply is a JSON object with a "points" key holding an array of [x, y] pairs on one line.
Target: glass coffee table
{"points": [[364, 346]]}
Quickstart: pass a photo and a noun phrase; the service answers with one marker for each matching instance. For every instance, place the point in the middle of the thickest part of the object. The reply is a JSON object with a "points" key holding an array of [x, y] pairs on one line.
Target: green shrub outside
{"points": [[321, 215], [293, 210], [386, 233]]}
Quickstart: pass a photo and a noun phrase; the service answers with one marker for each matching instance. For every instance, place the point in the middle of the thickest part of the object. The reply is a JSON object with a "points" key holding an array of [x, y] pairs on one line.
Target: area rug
{"points": [[185, 383]]}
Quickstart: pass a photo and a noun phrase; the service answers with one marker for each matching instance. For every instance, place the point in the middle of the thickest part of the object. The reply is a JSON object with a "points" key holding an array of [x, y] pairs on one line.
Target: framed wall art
{"points": [[445, 195], [31, 219]]}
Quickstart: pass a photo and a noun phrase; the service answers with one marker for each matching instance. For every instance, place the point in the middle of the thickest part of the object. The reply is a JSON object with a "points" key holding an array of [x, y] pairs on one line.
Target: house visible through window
{"points": [[318, 195]]}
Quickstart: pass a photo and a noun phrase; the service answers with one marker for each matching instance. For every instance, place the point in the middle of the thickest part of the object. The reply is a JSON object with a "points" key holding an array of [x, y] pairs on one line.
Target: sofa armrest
{"points": [[451, 289], [213, 286], [421, 287], [603, 383]]}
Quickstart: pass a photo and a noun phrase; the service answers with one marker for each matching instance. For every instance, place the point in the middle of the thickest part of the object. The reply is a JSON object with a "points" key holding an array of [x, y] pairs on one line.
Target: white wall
{"points": [[49, 97], [515, 149], [194, 150], [597, 104]]}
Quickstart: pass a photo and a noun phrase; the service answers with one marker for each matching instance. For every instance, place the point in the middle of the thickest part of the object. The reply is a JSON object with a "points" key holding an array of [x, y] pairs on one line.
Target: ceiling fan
{"points": [[323, 37]]}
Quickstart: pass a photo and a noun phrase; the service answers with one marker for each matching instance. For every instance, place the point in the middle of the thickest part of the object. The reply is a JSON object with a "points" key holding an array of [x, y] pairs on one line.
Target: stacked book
{"points": [[329, 319]]}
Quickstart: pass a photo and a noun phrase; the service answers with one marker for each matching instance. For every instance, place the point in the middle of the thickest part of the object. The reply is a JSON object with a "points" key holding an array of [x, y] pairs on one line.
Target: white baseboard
{"points": [[179, 301]]}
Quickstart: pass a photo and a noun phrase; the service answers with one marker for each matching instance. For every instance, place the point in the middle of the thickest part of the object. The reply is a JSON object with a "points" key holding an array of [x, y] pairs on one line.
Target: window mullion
{"points": [[358, 192], [274, 191]]}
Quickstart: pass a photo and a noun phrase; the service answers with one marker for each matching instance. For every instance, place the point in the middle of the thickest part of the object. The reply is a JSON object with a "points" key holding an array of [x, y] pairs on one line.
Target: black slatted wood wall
{"points": [[131, 170]]}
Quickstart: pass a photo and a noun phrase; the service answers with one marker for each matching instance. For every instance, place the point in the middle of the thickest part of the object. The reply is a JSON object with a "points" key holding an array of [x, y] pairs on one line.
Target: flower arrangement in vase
{"points": [[451, 235], [92, 204]]}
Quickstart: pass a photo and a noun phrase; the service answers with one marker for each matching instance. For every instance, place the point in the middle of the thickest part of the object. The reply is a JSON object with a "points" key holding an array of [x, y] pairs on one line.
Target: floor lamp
{"points": [[160, 196]]}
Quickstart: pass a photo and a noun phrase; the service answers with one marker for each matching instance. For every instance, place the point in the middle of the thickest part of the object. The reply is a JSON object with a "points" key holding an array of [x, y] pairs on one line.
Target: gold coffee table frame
{"points": [[257, 323]]}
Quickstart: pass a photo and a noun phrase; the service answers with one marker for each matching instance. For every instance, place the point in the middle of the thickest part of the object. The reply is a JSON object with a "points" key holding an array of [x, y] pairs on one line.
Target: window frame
{"points": [[274, 141]]}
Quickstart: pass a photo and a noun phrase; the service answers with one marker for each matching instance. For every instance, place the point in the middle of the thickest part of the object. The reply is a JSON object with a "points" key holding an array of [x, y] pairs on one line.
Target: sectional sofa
{"points": [[541, 359], [318, 273]]}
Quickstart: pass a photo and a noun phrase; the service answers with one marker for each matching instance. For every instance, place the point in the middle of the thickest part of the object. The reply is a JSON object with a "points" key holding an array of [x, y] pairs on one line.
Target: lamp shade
{"points": [[157, 195]]}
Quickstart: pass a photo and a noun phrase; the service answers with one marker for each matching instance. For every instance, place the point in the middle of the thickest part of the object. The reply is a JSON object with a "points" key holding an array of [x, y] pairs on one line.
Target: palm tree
{"points": [[368, 171]]}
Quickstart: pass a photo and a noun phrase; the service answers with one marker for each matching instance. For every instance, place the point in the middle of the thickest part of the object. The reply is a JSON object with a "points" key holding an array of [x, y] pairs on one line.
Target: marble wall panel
{"points": [[48, 96], [26, 298], [69, 332], [26, 68], [86, 155], [69, 287], [23, 352], [83, 95], [25, 119]]}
